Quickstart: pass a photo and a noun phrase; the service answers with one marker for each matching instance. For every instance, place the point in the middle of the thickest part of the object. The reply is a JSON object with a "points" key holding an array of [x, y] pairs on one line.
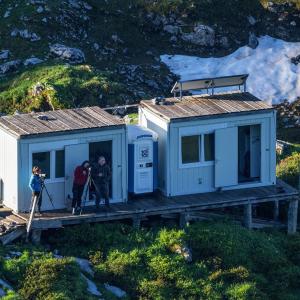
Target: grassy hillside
{"points": [[228, 262], [123, 39]]}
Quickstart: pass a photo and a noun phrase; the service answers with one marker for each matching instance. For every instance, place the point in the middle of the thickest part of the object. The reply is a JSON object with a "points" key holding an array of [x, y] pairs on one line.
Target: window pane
{"points": [[190, 149], [59, 163], [42, 160], [209, 147]]}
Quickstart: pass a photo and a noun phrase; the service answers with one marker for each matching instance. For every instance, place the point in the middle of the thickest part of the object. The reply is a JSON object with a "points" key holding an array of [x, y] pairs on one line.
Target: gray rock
{"points": [[115, 290], [185, 252], [173, 39], [293, 23], [25, 34], [116, 39], [85, 265], [253, 41], [10, 66], [172, 29], [40, 9], [149, 52], [4, 54], [92, 287], [202, 35], [224, 43], [73, 55], [86, 6], [75, 3], [96, 46], [152, 84], [32, 61], [296, 60], [251, 20], [36, 90], [7, 13], [2, 292], [6, 285]]}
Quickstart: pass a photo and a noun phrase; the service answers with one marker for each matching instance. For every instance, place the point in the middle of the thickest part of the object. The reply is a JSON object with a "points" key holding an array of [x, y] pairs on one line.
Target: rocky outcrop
{"points": [[296, 60], [253, 41], [72, 55], [10, 66], [115, 290], [32, 61], [202, 35], [4, 54], [25, 34]]}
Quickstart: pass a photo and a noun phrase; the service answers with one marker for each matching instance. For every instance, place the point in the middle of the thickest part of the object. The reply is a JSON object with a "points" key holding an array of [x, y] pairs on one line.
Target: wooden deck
{"points": [[156, 206]]}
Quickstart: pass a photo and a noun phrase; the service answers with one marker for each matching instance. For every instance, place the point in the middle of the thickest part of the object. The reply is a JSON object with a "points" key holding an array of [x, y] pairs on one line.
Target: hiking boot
{"points": [[73, 211]]}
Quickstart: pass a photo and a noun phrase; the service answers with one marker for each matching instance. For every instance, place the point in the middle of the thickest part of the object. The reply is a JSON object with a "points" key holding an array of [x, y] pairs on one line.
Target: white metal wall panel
{"points": [[57, 189], [9, 169], [150, 121]]}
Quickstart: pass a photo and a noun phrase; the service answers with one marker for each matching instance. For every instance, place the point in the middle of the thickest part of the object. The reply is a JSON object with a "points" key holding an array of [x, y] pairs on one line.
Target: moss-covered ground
{"points": [[228, 262]]}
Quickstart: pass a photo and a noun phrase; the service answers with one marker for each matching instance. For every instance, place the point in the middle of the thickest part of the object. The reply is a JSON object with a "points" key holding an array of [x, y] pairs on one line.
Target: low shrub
{"points": [[288, 169], [53, 278]]}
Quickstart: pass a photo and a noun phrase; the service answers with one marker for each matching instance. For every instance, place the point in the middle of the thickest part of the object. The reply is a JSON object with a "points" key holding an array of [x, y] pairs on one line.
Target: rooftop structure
{"points": [[59, 121]]}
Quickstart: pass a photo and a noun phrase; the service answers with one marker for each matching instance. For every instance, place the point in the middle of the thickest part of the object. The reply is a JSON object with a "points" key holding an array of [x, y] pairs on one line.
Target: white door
{"points": [[226, 157], [74, 156]]}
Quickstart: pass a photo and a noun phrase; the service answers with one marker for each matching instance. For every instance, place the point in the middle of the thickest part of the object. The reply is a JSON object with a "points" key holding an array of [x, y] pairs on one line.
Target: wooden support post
{"points": [[292, 216], [276, 211], [248, 215], [183, 221], [36, 236], [136, 222]]}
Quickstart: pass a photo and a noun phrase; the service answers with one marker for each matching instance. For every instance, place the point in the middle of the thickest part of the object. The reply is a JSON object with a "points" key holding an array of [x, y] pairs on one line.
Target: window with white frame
{"points": [[197, 149], [52, 163]]}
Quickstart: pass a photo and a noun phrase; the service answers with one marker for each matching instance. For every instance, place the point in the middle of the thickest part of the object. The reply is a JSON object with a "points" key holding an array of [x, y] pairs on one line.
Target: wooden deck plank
{"points": [[149, 206]]}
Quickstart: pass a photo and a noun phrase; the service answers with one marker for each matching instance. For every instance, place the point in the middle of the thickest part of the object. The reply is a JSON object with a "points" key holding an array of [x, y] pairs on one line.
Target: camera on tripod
{"points": [[43, 176]]}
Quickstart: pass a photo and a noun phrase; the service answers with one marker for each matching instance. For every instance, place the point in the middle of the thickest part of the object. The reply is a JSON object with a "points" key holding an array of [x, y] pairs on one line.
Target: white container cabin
{"points": [[58, 141], [212, 142]]}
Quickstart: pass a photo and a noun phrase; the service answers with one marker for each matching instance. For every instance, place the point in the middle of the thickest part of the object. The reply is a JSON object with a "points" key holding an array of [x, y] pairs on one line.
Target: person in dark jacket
{"points": [[35, 184], [101, 175], [81, 174]]}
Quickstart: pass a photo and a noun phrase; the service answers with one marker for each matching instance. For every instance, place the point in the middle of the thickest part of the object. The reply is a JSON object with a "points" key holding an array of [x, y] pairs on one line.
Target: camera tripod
{"points": [[34, 203], [88, 184]]}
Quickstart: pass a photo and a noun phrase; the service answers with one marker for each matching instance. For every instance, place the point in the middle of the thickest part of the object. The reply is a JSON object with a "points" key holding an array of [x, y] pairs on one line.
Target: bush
{"points": [[14, 269], [229, 261], [53, 278], [288, 169]]}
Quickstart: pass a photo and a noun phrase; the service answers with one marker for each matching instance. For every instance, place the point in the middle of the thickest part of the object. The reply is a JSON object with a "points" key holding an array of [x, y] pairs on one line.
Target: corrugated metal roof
{"points": [[207, 105], [58, 121]]}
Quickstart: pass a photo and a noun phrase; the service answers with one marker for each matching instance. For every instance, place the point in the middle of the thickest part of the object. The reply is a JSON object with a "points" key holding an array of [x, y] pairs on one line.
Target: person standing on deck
{"points": [[35, 184], [81, 174], [101, 175]]}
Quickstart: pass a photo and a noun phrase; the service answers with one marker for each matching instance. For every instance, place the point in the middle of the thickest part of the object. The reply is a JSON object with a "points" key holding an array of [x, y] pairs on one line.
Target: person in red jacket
{"points": [[80, 178]]}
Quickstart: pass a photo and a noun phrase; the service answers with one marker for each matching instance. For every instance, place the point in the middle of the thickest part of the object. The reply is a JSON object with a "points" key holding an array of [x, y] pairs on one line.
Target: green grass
{"points": [[65, 86], [229, 262]]}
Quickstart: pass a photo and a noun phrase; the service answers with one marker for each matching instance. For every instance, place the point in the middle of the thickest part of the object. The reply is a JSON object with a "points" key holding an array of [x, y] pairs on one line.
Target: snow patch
{"points": [[272, 75]]}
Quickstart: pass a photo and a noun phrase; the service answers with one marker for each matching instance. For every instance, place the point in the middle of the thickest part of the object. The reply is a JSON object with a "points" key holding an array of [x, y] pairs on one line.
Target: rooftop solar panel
{"points": [[209, 83]]}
